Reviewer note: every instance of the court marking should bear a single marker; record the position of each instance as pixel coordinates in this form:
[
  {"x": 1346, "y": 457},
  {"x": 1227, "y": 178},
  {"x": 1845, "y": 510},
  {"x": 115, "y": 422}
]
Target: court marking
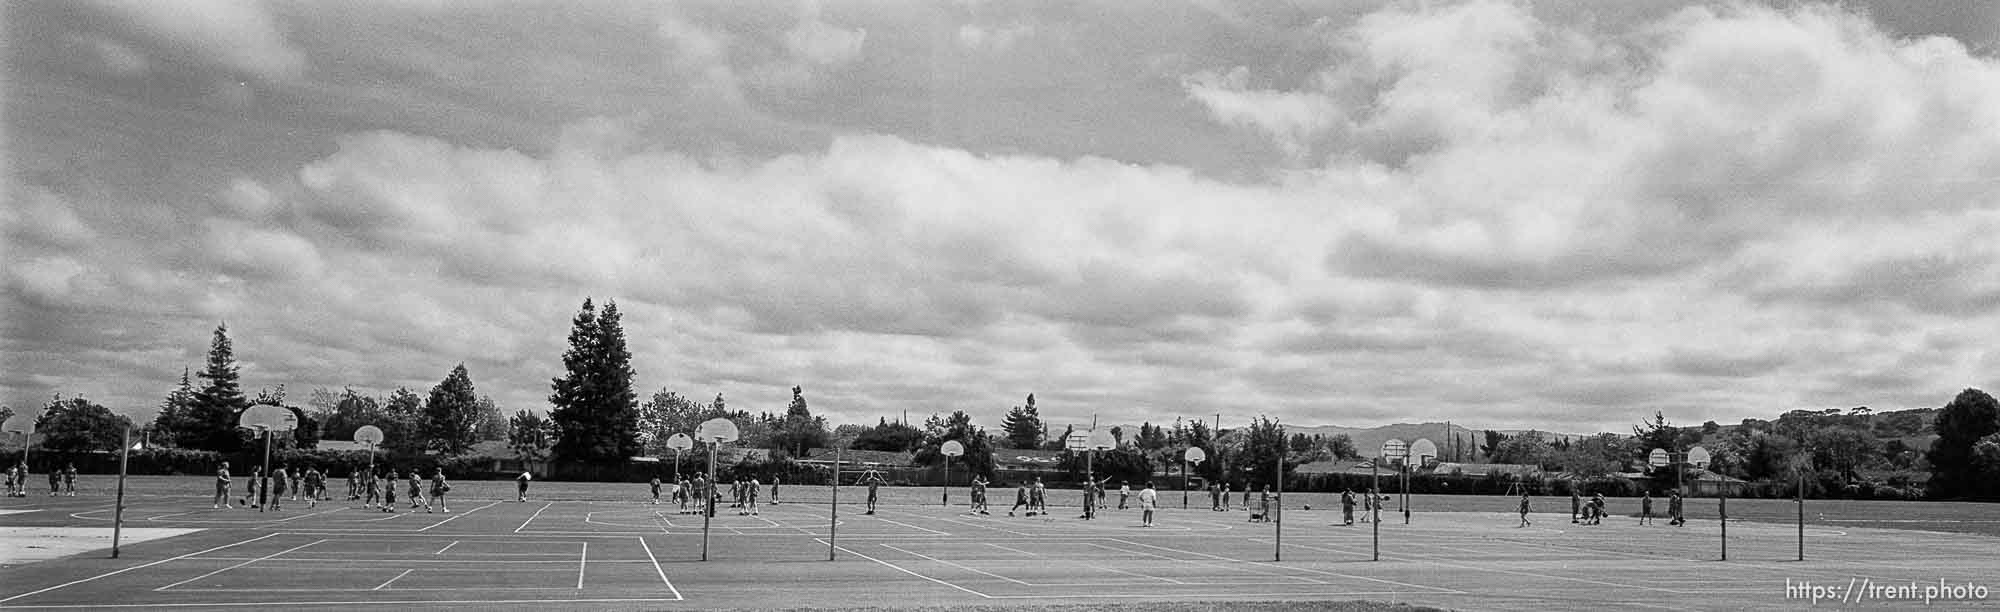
[
  {"x": 900, "y": 569},
  {"x": 531, "y": 518},
  {"x": 447, "y": 547},
  {"x": 657, "y": 568},
  {"x": 135, "y": 567},
  {"x": 457, "y": 516},
  {"x": 1435, "y": 561},
  {"x": 1306, "y": 569},
  {"x": 263, "y": 558},
  {"x": 1089, "y": 564},
  {"x": 292, "y": 603},
  {"x": 385, "y": 584}
]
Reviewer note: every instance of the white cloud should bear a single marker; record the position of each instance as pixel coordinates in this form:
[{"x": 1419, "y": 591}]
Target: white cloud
[
  {"x": 824, "y": 44},
  {"x": 239, "y": 35},
  {"x": 996, "y": 39},
  {"x": 1292, "y": 119}
]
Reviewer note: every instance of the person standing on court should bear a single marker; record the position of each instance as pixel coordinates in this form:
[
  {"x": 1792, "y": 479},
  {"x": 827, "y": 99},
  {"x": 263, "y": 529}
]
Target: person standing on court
[
  {"x": 69, "y": 480},
  {"x": 1646, "y": 508},
  {"x": 1524, "y": 510},
  {"x": 250, "y": 489},
  {"x": 1674, "y": 509},
  {"x": 389, "y": 493},
  {"x": 1575, "y": 506},
  {"x": 1124, "y": 491},
  {"x": 978, "y": 494},
  {"x": 873, "y": 480},
  {"x": 774, "y": 488},
  {"x": 750, "y": 491},
  {"x": 1347, "y": 506},
  {"x": 1038, "y": 498},
  {"x": 521, "y": 485},
  {"x": 417, "y": 491},
  {"x": 278, "y": 490},
  {"x": 1021, "y": 498},
  {"x": 438, "y": 488},
  {"x": 655, "y": 486},
  {"x": 1214, "y": 497},
  {"x": 55, "y": 481},
  {"x": 221, "y": 487},
  {"x": 1148, "y": 498}
]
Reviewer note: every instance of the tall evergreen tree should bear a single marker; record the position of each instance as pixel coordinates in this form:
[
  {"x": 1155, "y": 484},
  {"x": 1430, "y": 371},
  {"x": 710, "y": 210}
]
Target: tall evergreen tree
[
  {"x": 594, "y": 405},
  {"x": 799, "y": 431},
  {"x": 211, "y": 420},
  {"x": 451, "y": 416},
  {"x": 1960, "y": 425},
  {"x": 172, "y": 421},
  {"x": 401, "y": 416},
  {"x": 1023, "y": 426}
]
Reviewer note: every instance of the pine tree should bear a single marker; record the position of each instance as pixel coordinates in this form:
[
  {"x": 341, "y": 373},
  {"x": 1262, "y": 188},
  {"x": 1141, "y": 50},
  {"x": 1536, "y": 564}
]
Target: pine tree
[
  {"x": 594, "y": 405},
  {"x": 211, "y": 417},
  {"x": 172, "y": 421},
  {"x": 799, "y": 431},
  {"x": 1023, "y": 426},
  {"x": 449, "y": 426}
]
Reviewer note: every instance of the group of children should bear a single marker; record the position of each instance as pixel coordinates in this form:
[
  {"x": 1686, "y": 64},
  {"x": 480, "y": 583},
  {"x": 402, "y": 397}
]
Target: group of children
[
  {"x": 373, "y": 490},
  {"x": 61, "y": 482},
  {"x": 1592, "y": 512}
]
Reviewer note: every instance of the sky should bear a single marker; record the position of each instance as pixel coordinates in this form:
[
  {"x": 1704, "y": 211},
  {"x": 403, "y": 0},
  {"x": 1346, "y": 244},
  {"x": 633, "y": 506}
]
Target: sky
[{"x": 1555, "y": 215}]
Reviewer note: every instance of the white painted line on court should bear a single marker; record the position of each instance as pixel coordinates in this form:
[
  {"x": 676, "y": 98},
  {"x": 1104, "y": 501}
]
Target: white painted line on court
[
  {"x": 357, "y": 604},
  {"x": 1231, "y": 566},
  {"x": 456, "y": 516},
  {"x": 933, "y": 531},
  {"x": 1434, "y": 560},
  {"x": 531, "y": 518},
  {"x": 969, "y": 569},
  {"x": 447, "y": 547},
  {"x": 1089, "y": 564},
  {"x": 657, "y": 568},
  {"x": 900, "y": 569},
  {"x": 1308, "y": 569},
  {"x": 391, "y": 580},
  {"x": 582, "y": 560},
  {"x": 265, "y": 557},
  {"x": 972, "y": 524},
  {"x": 116, "y": 572},
  {"x": 287, "y": 520}
]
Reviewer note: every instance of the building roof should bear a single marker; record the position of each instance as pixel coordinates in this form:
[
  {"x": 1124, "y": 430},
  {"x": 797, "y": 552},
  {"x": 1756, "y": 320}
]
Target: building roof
[
  {"x": 858, "y": 457},
  {"x": 1020, "y": 458},
  {"x": 1483, "y": 469},
  {"x": 1343, "y": 466}
]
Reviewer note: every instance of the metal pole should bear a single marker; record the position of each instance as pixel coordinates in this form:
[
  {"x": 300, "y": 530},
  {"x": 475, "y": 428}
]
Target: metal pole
[
  {"x": 833, "y": 515},
  {"x": 708, "y": 499},
  {"x": 1375, "y": 506},
  {"x": 947, "y": 482},
  {"x": 1091, "y": 483},
  {"x": 1184, "y": 481},
  {"x": 1278, "y": 518},
  {"x": 118, "y": 510},
  {"x": 264, "y": 480},
  {"x": 1722, "y": 508},
  {"x": 1802, "y": 515},
  {"x": 1406, "y": 492}
]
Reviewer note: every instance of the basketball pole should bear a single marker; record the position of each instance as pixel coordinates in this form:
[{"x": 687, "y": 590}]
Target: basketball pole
[
  {"x": 1802, "y": 515},
  {"x": 1278, "y": 518},
  {"x": 1722, "y": 509},
  {"x": 118, "y": 510},
  {"x": 947, "y": 482},
  {"x": 1184, "y": 482},
  {"x": 833, "y": 514},
  {"x": 1375, "y": 505},
  {"x": 708, "y": 500},
  {"x": 264, "y": 479}
]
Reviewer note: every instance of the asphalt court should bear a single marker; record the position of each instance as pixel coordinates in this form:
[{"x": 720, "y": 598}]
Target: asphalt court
[{"x": 610, "y": 555}]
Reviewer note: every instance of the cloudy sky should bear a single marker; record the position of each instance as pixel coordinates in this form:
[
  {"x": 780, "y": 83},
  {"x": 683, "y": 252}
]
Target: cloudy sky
[{"x": 1564, "y": 215}]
